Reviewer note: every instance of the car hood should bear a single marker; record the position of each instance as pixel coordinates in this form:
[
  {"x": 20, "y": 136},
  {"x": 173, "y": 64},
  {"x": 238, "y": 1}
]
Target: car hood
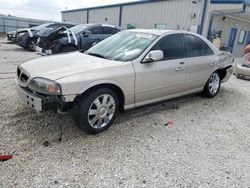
[{"x": 60, "y": 66}]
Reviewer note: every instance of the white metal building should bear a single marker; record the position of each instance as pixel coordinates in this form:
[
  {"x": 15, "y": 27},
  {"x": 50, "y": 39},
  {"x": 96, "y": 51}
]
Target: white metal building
[
  {"x": 206, "y": 17},
  {"x": 12, "y": 23}
]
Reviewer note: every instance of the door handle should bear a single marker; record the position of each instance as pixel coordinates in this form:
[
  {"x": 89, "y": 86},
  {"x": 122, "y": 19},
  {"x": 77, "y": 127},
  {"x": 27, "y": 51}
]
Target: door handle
[
  {"x": 179, "y": 68},
  {"x": 212, "y": 64}
]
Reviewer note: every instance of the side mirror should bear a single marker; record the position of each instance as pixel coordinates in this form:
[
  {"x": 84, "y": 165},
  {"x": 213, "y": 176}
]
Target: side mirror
[
  {"x": 87, "y": 33},
  {"x": 154, "y": 55}
]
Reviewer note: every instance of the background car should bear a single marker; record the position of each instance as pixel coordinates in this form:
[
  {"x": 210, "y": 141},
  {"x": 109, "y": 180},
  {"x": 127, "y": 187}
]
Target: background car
[
  {"x": 11, "y": 36},
  {"x": 27, "y": 38},
  {"x": 127, "y": 70},
  {"x": 79, "y": 37},
  {"x": 243, "y": 70}
]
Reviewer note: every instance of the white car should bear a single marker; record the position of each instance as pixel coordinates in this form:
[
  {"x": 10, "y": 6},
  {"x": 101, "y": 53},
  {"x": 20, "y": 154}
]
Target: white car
[{"x": 127, "y": 70}]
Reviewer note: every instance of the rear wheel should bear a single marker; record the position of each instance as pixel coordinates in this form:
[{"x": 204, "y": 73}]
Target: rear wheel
[
  {"x": 31, "y": 44},
  {"x": 95, "y": 112},
  {"x": 212, "y": 86},
  {"x": 68, "y": 49}
]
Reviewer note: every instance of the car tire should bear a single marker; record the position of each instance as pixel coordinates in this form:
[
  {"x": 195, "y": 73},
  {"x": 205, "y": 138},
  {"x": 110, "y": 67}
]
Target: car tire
[
  {"x": 212, "y": 86},
  {"x": 31, "y": 44},
  {"x": 68, "y": 49},
  {"x": 96, "y": 111}
]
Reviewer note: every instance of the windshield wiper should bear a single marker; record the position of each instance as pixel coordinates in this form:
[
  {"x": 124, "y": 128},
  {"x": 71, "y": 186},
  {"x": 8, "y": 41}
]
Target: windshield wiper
[{"x": 97, "y": 55}]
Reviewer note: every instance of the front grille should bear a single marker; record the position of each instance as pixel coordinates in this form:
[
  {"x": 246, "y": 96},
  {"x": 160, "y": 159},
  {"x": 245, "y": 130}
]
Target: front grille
[{"x": 24, "y": 77}]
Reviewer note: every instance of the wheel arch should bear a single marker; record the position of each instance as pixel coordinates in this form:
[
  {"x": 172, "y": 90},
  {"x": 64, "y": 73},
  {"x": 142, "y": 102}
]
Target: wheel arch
[
  {"x": 224, "y": 74},
  {"x": 111, "y": 85}
]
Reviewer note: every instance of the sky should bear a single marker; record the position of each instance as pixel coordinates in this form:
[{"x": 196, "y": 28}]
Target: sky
[{"x": 48, "y": 9}]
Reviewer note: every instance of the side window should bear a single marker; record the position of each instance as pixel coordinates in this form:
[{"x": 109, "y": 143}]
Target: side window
[
  {"x": 110, "y": 30},
  {"x": 96, "y": 30},
  {"x": 196, "y": 47},
  {"x": 171, "y": 46}
]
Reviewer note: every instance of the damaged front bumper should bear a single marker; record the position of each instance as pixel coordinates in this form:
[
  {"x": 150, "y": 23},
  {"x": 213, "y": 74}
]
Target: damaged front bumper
[
  {"x": 43, "y": 103},
  {"x": 42, "y": 51}
]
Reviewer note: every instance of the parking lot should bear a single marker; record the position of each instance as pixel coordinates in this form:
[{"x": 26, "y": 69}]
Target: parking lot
[{"x": 208, "y": 144}]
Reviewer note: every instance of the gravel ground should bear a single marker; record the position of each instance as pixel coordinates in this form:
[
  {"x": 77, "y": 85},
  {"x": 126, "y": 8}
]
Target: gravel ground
[{"x": 208, "y": 144}]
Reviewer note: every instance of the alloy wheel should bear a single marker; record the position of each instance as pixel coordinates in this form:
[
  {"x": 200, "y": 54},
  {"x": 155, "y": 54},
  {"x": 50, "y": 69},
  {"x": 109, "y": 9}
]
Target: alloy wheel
[
  {"x": 214, "y": 83},
  {"x": 101, "y": 111}
]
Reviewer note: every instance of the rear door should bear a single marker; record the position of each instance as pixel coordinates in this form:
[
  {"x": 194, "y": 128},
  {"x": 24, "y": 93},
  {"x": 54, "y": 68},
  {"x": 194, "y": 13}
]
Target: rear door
[
  {"x": 201, "y": 61},
  {"x": 157, "y": 80}
]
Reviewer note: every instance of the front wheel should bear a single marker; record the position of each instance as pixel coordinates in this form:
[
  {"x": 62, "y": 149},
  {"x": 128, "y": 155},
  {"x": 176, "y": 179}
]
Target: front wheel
[
  {"x": 95, "y": 112},
  {"x": 31, "y": 44},
  {"x": 212, "y": 86}
]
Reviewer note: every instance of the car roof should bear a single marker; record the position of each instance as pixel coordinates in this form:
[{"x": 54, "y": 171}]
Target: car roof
[
  {"x": 99, "y": 24},
  {"x": 150, "y": 31}
]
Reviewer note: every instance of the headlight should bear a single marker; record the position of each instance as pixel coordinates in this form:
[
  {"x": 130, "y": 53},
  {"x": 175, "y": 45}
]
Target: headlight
[{"x": 45, "y": 86}]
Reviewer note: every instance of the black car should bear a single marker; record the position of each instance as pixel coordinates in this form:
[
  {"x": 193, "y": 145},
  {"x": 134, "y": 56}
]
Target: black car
[
  {"x": 79, "y": 37},
  {"x": 27, "y": 38}
]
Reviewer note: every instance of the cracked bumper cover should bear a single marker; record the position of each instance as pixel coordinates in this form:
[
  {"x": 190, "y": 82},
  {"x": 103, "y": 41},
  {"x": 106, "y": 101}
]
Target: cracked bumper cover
[{"x": 43, "y": 103}]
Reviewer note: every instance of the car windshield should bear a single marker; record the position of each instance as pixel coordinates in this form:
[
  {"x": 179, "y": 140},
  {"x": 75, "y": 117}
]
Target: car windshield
[
  {"x": 78, "y": 28},
  {"x": 123, "y": 46}
]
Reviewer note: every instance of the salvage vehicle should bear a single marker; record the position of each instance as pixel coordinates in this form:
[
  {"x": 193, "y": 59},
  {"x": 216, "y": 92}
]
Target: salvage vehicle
[
  {"x": 27, "y": 38},
  {"x": 127, "y": 70},
  {"x": 242, "y": 71},
  {"x": 11, "y": 36},
  {"x": 80, "y": 37}
]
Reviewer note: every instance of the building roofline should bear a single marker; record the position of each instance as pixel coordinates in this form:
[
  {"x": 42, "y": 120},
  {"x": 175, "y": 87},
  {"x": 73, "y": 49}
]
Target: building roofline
[
  {"x": 112, "y": 5},
  {"x": 230, "y": 2}
]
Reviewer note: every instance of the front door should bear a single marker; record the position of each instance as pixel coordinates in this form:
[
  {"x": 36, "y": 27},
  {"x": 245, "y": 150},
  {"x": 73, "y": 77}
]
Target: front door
[
  {"x": 231, "y": 39},
  {"x": 157, "y": 80}
]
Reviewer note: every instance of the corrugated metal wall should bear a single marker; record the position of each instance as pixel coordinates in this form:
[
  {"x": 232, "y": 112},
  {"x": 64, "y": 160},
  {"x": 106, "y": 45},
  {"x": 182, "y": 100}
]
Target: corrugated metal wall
[
  {"x": 105, "y": 15},
  {"x": 225, "y": 27},
  {"x": 9, "y": 23},
  {"x": 75, "y": 17},
  {"x": 176, "y": 14}
]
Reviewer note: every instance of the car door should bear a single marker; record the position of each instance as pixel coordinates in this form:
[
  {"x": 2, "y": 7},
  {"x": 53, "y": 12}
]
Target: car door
[
  {"x": 95, "y": 35},
  {"x": 201, "y": 62},
  {"x": 159, "y": 80}
]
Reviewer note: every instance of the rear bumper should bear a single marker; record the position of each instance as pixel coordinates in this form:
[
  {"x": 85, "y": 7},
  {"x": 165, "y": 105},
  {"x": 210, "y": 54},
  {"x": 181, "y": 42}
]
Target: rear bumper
[{"x": 42, "y": 103}]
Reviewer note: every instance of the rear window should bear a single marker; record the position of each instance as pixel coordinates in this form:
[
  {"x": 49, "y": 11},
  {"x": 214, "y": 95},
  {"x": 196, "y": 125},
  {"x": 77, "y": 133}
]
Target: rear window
[
  {"x": 110, "y": 30},
  {"x": 96, "y": 30}
]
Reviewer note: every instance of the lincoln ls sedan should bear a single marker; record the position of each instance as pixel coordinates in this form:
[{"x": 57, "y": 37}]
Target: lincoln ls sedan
[{"x": 127, "y": 70}]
